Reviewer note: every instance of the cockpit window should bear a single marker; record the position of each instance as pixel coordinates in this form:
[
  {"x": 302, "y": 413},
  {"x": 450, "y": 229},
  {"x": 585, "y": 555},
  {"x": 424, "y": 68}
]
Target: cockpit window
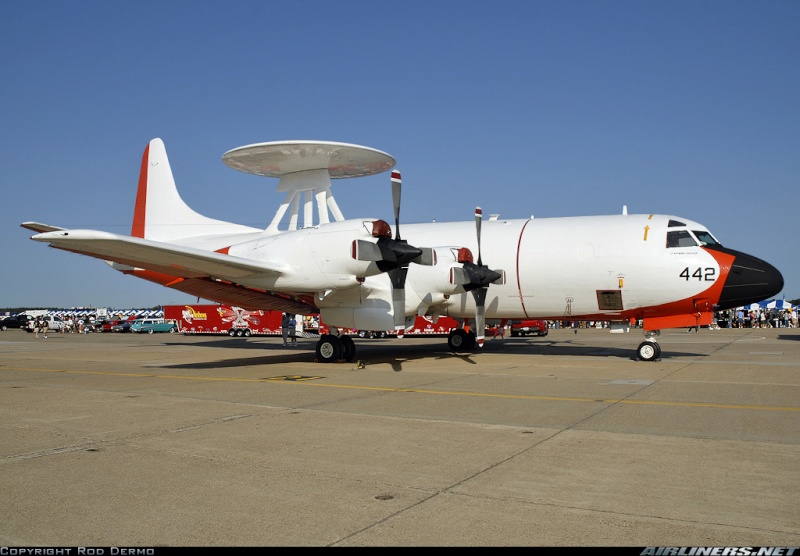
[
  {"x": 675, "y": 224},
  {"x": 680, "y": 238},
  {"x": 705, "y": 237}
]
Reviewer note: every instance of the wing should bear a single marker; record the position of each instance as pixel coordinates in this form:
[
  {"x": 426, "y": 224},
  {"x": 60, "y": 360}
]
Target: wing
[{"x": 167, "y": 258}]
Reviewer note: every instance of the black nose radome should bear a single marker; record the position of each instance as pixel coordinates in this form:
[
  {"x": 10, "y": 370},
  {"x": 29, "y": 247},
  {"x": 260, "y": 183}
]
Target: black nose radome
[{"x": 750, "y": 280}]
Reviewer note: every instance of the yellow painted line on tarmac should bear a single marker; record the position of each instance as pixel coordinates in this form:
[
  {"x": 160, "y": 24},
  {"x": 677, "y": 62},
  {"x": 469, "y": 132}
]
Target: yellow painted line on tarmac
[{"x": 293, "y": 379}]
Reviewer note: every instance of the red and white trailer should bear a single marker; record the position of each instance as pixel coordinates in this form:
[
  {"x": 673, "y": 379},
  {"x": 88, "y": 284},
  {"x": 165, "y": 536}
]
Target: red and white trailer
[
  {"x": 235, "y": 321},
  {"x": 224, "y": 319}
]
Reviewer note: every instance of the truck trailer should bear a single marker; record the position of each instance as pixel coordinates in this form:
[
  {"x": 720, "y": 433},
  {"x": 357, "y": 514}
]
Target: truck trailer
[
  {"x": 235, "y": 321},
  {"x": 223, "y": 319}
]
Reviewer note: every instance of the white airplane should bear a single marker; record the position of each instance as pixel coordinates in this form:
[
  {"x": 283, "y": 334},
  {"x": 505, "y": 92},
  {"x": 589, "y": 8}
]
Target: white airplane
[{"x": 665, "y": 271}]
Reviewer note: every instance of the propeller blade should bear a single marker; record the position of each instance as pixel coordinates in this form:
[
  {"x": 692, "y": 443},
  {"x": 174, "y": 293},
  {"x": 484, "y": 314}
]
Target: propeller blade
[
  {"x": 480, "y": 315},
  {"x": 398, "y": 278},
  {"x": 459, "y": 276},
  {"x": 397, "y": 183},
  {"x": 366, "y": 251},
  {"x": 478, "y": 219}
]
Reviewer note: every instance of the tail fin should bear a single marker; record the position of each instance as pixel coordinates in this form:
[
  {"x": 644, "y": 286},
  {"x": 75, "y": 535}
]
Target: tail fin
[{"x": 160, "y": 213}]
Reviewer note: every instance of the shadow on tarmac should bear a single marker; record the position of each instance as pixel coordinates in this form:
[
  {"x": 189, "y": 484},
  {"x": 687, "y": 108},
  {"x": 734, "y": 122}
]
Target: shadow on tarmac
[{"x": 394, "y": 352}]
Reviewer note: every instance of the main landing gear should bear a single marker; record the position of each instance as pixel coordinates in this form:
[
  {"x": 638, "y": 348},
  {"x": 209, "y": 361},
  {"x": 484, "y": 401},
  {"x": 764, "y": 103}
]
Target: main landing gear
[
  {"x": 331, "y": 348},
  {"x": 460, "y": 340},
  {"x": 649, "y": 350}
]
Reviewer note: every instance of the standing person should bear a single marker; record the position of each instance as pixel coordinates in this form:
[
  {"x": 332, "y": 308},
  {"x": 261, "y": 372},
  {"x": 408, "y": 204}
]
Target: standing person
[
  {"x": 500, "y": 330},
  {"x": 285, "y": 328},
  {"x": 36, "y": 325},
  {"x": 293, "y": 330},
  {"x": 44, "y": 327}
]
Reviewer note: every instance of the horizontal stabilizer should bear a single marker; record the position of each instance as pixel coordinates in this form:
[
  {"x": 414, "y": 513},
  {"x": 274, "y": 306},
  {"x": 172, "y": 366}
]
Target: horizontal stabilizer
[{"x": 40, "y": 228}]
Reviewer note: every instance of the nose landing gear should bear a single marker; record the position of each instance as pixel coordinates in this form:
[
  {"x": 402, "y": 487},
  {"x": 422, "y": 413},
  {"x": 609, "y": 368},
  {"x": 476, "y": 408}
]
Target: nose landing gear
[{"x": 649, "y": 350}]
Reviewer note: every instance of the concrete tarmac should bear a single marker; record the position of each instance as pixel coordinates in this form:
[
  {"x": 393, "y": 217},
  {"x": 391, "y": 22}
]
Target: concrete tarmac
[{"x": 132, "y": 440}]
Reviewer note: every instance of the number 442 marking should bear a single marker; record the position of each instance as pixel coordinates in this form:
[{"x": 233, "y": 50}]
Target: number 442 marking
[{"x": 707, "y": 274}]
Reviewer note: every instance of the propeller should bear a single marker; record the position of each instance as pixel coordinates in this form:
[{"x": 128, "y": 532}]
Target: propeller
[
  {"x": 398, "y": 274},
  {"x": 393, "y": 255},
  {"x": 476, "y": 278}
]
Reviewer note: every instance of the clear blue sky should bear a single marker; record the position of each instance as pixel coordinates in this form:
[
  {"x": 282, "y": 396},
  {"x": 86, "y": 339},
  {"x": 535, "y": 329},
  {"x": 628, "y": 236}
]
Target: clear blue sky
[{"x": 545, "y": 108}]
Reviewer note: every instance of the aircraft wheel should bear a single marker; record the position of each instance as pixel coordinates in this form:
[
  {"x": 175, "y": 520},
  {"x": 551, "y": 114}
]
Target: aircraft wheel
[
  {"x": 348, "y": 348},
  {"x": 649, "y": 351},
  {"x": 329, "y": 349},
  {"x": 460, "y": 340}
]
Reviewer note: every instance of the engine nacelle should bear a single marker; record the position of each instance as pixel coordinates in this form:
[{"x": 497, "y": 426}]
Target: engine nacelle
[
  {"x": 311, "y": 259},
  {"x": 433, "y": 285}
]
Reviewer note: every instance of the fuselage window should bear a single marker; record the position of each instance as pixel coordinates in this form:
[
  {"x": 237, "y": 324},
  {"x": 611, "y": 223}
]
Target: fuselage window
[{"x": 680, "y": 238}]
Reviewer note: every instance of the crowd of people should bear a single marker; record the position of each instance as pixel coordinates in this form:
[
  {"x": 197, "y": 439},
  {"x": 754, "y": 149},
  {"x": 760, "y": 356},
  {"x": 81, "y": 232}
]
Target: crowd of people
[
  {"x": 761, "y": 318},
  {"x": 41, "y": 325},
  {"x": 733, "y": 318}
]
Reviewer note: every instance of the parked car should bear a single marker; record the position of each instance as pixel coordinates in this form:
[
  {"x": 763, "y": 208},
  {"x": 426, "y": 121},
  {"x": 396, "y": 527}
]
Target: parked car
[
  {"x": 154, "y": 325},
  {"x": 105, "y": 325},
  {"x": 121, "y": 326},
  {"x": 97, "y": 325},
  {"x": 529, "y": 326},
  {"x": 15, "y": 321}
]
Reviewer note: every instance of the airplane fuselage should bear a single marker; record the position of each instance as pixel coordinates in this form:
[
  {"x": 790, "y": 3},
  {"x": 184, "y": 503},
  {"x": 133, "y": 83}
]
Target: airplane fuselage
[{"x": 599, "y": 267}]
